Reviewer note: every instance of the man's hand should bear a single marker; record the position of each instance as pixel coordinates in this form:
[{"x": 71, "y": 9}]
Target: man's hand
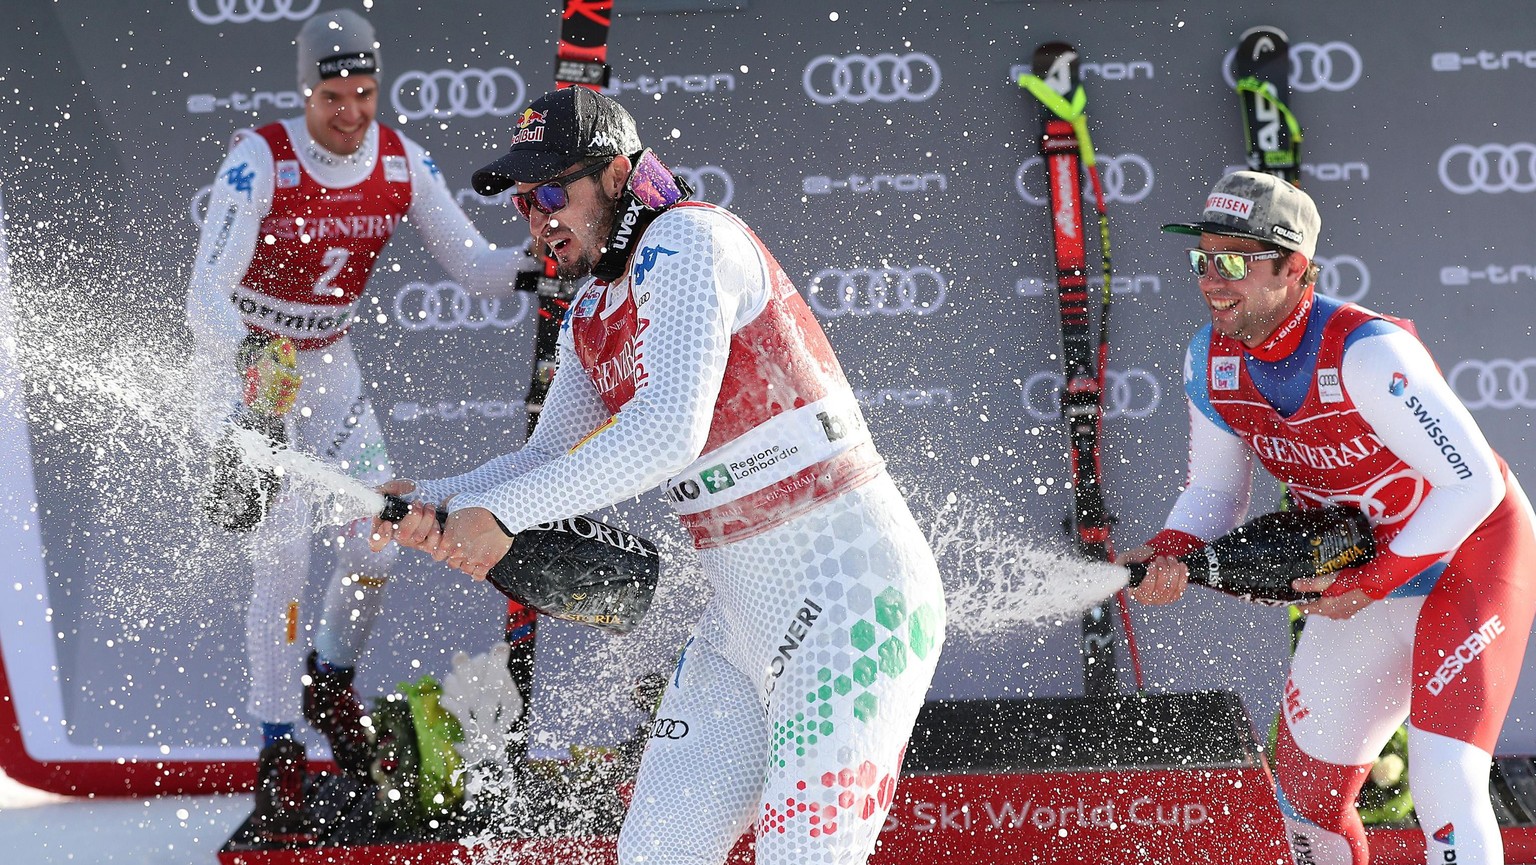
[
  {"x": 418, "y": 530},
  {"x": 1167, "y": 577},
  {"x": 472, "y": 542},
  {"x": 1338, "y": 607}
]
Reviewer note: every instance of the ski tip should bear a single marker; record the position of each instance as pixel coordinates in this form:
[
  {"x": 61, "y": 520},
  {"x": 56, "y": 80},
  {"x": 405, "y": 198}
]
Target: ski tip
[{"x": 1263, "y": 30}]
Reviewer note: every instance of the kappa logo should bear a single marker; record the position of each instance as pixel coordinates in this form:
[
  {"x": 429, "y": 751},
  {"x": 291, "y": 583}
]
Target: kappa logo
[
  {"x": 648, "y": 257},
  {"x": 602, "y": 139}
]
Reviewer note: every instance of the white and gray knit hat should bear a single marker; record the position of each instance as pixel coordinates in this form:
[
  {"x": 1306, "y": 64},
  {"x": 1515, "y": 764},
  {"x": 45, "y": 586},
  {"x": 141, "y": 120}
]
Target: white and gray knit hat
[{"x": 335, "y": 44}]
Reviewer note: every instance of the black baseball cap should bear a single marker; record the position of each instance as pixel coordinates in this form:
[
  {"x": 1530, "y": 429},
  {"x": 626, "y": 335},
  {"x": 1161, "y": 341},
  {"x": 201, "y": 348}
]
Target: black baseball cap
[{"x": 558, "y": 130}]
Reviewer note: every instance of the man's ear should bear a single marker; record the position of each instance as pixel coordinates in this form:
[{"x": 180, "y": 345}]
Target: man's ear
[
  {"x": 617, "y": 175},
  {"x": 1296, "y": 265}
]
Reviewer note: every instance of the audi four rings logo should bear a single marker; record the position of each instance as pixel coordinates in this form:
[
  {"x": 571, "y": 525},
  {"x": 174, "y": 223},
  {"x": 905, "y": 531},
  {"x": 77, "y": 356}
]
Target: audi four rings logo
[
  {"x": 1127, "y": 178},
  {"x": 859, "y": 78},
  {"x": 246, "y": 11},
  {"x": 1500, "y": 383},
  {"x": 446, "y": 93},
  {"x": 1492, "y": 168},
  {"x": 710, "y": 183},
  {"x": 447, "y": 306},
  {"x": 668, "y": 728},
  {"x": 1332, "y": 66},
  {"x": 1131, "y": 393},
  {"x": 887, "y": 291},
  {"x": 1344, "y": 277}
]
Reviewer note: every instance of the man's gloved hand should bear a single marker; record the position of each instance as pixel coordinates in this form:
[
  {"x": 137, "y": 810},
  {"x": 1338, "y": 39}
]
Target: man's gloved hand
[
  {"x": 481, "y": 694},
  {"x": 240, "y": 494}
]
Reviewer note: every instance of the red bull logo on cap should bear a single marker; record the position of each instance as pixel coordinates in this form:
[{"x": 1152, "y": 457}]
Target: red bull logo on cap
[{"x": 530, "y": 127}]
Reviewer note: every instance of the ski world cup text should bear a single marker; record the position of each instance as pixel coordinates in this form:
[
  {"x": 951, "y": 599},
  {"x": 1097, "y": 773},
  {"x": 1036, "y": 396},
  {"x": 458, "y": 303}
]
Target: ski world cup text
[{"x": 1053, "y": 817}]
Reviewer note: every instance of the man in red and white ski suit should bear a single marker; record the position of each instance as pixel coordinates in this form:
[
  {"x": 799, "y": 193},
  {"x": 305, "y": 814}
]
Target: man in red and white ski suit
[
  {"x": 1345, "y": 406},
  {"x": 300, "y": 211},
  {"x": 699, "y": 366}
]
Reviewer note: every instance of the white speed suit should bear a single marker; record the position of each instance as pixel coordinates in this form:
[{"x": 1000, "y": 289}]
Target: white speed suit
[
  {"x": 279, "y": 198},
  {"x": 790, "y": 708}
]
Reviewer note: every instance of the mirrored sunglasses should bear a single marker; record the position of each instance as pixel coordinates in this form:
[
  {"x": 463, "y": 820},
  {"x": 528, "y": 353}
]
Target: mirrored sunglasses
[
  {"x": 1229, "y": 265},
  {"x": 550, "y": 196}
]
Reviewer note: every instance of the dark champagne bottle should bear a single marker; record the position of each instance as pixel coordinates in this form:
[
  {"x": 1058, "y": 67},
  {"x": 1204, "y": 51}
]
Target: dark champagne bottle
[
  {"x": 579, "y": 570},
  {"x": 1258, "y": 560}
]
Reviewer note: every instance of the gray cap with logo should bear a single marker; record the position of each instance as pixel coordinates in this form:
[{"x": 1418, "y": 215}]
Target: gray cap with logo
[
  {"x": 1258, "y": 206},
  {"x": 335, "y": 44}
]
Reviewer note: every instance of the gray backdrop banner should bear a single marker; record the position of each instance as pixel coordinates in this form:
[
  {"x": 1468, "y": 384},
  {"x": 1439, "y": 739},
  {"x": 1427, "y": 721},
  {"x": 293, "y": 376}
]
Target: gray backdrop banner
[{"x": 886, "y": 157}]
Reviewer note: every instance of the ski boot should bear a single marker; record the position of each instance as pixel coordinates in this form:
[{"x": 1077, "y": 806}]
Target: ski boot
[
  {"x": 332, "y": 707},
  {"x": 280, "y": 819}
]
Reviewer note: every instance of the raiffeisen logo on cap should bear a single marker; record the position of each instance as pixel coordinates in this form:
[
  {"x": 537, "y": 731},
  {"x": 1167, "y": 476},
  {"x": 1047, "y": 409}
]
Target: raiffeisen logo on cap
[
  {"x": 1232, "y": 205},
  {"x": 530, "y": 127}
]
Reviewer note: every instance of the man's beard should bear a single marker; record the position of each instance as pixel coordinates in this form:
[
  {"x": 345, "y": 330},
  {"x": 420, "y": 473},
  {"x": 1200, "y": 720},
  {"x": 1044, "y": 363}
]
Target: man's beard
[{"x": 591, "y": 252}]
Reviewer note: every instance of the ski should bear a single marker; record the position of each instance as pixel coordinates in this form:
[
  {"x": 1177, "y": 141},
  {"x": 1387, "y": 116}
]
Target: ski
[
  {"x": 1270, "y": 131},
  {"x": 1067, "y": 151},
  {"x": 581, "y": 60}
]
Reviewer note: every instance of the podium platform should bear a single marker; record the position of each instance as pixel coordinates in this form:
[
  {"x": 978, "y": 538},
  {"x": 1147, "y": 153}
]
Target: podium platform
[{"x": 1147, "y": 779}]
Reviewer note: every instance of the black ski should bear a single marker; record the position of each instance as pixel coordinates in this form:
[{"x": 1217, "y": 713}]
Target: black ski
[
  {"x": 1272, "y": 134},
  {"x": 581, "y": 60},
  {"x": 1067, "y": 152}
]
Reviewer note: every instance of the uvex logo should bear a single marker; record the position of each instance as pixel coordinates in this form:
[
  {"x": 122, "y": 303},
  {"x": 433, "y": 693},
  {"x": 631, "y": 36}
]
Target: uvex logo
[{"x": 627, "y": 225}]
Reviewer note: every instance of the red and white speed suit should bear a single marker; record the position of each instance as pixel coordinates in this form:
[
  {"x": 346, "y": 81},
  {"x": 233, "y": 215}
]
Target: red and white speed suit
[
  {"x": 1349, "y": 408},
  {"x": 291, "y": 237},
  {"x": 703, "y": 369}
]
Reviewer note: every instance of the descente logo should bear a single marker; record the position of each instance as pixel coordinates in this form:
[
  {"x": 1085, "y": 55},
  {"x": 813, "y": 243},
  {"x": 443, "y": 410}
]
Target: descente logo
[{"x": 1473, "y": 646}]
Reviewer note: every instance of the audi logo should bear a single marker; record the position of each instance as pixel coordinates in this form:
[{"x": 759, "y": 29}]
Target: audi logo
[
  {"x": 1343, "y": 277},
  {"x": 445, "y": 93},
  {"x": 1332, "y": 66},
  {"x": 1500, "y": 383},
  {"x": 887, "y": 290},
  {"x": 1131, "y": 393},
  {"x": 1127, "y": 178},
  {"x": 668, "y": 728},
  {"x": 859, "y": 78},
  {"x": 1372, "y": 502},
  {"x": 447, "y": 306},
  {"x": 710, "y": 183},
  {"x": 1493, "y": 168},
  {"x": 246, "y": 11}
]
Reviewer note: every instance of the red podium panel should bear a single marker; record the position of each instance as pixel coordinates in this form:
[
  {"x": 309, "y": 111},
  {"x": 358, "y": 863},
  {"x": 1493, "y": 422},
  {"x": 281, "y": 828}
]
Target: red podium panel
[{"x": 1223, "y": 815}]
